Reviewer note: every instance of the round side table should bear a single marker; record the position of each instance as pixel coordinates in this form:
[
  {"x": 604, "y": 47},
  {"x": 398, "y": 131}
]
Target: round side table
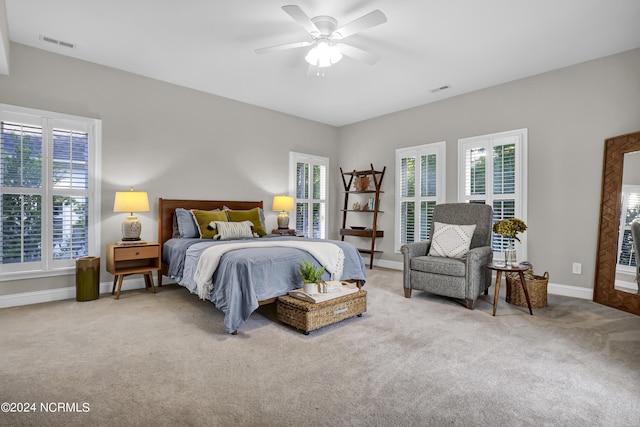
[{"x": 509, "y": 269}]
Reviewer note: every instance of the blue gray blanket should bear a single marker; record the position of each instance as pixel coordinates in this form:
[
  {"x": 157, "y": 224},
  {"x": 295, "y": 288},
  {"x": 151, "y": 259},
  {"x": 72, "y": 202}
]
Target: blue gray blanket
[{"x": 249, "y": 275}]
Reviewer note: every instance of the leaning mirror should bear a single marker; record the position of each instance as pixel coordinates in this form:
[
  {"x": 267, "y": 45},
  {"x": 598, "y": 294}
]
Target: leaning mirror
[{"x": 615, "y": 283}]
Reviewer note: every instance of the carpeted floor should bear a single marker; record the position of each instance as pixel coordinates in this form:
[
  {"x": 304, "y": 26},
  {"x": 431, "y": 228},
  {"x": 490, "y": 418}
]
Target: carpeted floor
[{"x": 164, "y": 359}]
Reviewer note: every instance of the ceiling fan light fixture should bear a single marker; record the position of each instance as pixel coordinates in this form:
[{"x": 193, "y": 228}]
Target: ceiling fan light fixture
[{"x": 324, "y": 54}]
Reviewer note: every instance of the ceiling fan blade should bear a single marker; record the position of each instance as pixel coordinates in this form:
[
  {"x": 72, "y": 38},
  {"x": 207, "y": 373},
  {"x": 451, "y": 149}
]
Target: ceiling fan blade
[
  {"x": 281, "y": 47},
  {"x": 357, "y": 53},
  {"x": 301, "y": 18},
  {"x": 369, "y": 20}
]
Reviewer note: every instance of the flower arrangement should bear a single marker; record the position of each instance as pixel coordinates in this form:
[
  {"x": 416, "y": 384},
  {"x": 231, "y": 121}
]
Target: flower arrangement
[{"x": 510, "y": 227}]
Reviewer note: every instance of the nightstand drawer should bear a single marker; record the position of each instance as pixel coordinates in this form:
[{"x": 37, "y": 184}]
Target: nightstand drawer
[{"x": 139, "y": 252}]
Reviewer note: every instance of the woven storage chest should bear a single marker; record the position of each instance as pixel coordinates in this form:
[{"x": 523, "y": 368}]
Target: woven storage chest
[
  {"x": 536, "y": 285},
  {"x": 308, "y": 316}
]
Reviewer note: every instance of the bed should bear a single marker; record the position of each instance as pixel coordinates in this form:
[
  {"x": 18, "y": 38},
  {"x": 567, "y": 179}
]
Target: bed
[{"x": 248, "y": 272}]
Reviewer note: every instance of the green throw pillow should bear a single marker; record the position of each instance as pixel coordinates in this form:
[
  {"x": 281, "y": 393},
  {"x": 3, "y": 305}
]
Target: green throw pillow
[
  {"x": 252, "y": 215},
  {"x": 203, "y": 218}
]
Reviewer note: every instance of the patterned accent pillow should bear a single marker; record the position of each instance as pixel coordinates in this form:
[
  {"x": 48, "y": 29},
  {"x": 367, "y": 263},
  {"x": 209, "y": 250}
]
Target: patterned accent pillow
[
  {"x": 204, "y": 218},
  {"x": 233, "y": 230},
  {"x": 450, "y": 240},
  {"x": 252, "y": 215}
]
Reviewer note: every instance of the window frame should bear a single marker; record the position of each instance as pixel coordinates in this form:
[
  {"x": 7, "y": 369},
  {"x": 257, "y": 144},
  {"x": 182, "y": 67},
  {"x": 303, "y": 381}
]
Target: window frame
[
  {"x": 311, "y": 160},
  {"x": 437, "y": 148},
  {"x": 48, "y": 120},
  {"x": 519, "y": 138}
]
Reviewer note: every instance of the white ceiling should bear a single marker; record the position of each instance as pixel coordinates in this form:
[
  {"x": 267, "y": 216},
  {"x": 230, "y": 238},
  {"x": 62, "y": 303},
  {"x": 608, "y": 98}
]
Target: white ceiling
[{"x": 209, "y": 45}]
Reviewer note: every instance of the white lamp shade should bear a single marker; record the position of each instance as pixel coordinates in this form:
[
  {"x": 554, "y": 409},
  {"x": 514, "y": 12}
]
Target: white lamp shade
[
  {"x": 131, "y": 201},
  {"x": 282, "y": 203}
]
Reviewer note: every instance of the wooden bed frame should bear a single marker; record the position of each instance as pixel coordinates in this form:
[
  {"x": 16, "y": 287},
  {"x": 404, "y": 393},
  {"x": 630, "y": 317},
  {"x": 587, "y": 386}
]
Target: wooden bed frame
[{"x": 167, "y": 207}]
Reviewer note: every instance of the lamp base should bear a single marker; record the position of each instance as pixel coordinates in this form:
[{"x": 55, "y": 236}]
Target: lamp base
[
  {"x": 283, "y": 221},
  {"x": 131, "y": 229}
]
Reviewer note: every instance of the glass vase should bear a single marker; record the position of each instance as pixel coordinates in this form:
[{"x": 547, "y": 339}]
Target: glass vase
[{"x": 510, "y": 256}]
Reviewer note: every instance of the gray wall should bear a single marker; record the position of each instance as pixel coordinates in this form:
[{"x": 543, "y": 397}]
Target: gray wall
[
  {"x": 179, "y": 143},
  {"x": 568, "y": 112},
  {"x": 167, "y": 140}
]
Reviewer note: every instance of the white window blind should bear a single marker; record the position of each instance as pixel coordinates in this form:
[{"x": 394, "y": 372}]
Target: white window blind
[
  {"x": 420, "y": 186},
  {"x": 308, "y": 184},
  {"x": 47, "y": 175},
  {"x": 492, "y": 170}
]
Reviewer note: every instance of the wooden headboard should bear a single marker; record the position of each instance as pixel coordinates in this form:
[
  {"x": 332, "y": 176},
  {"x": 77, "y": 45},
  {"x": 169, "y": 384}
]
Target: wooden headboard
[{"x": 167, "y": 207}]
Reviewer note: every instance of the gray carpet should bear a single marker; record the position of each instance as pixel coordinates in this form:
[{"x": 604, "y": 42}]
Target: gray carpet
[{"x": 164, "y": 359}]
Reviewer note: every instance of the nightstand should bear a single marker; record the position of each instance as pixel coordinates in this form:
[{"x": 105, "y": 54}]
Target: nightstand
[
  {"x": 284, "y": 232},
  {"x": 140, "y": 258}
]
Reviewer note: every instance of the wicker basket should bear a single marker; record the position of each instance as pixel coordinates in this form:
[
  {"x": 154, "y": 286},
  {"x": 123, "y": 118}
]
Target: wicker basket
[
  {"x": 536, "y": 285},
  {"x": 308, "y": 316}
]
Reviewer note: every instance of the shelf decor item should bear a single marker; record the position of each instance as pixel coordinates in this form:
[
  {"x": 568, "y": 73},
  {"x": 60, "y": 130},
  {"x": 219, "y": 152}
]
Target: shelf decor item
[
  {"x": 131, "y": 201},
  {"x": 509, "y": 229},
  {"x": 361, "y": 183}
]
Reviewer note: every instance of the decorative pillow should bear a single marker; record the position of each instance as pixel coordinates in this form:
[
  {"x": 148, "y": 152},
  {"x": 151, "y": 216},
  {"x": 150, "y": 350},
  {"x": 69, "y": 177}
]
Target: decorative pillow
[
  {"x": 186, "y": 225},
  {"x": 252, "y": 215},
  {"x": 450, "y": 240},
  {"x": 227, "y": 208},
  {"x": 204, "y": 218},
  {"x": 175, "y": 232},
  {"x": 233, "y": 230}
]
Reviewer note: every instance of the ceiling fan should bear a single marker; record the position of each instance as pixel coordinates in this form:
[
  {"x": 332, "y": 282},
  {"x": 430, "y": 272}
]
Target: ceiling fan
[{"x": 326, "y": 36}]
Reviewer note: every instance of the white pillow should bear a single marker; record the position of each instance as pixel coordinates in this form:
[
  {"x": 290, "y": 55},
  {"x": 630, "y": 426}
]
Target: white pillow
[
  {"x": 233, "y": 230},
  {"x": 450, "y": 240}
]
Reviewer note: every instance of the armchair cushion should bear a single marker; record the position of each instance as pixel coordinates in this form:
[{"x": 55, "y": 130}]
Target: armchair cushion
[
  {"x": 439, "y": 265},
  {"x": 451, "y": 240}
]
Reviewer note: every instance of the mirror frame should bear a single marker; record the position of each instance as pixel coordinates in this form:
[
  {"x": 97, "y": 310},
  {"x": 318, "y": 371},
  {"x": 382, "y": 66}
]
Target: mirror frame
[{"x": 604, "y": 291}]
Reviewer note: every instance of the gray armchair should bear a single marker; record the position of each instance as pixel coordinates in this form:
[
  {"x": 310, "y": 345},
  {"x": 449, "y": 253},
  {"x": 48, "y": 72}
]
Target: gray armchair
[{"x": 465, "y": 278}]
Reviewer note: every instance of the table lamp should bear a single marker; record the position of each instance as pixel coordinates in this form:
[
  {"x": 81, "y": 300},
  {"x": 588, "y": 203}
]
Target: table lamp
[
  {"x": 131, "y": 201},
  {"x": 283, "y": 204}
]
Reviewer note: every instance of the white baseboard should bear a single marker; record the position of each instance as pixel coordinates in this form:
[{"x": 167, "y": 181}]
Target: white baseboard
[
  {"x": 552, "y": 288},
  {"x": 393, "y": 265},
  {"x": 570, "y": 291},
  {"x": 48, "y": 295}
]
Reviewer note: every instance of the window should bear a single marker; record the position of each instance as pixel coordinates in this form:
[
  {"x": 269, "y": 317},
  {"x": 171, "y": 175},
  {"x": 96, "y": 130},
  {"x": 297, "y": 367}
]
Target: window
[
  {"x": 308, "y": 184},
  {"x": 492, "y": 170},
  {"x": 49, "y": 204},
  {"x": 420, "y": 173},
  {"x": 630, "y": 209}
]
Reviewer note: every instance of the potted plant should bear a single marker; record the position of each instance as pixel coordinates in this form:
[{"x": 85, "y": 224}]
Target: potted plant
[
  {"x": 311, "y": 275},
  {"x": 509, "y": 228}
]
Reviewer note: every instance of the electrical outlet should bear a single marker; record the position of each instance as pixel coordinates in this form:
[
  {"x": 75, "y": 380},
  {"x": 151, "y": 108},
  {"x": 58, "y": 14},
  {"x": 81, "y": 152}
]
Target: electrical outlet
[{"x": 577, "y": 268}]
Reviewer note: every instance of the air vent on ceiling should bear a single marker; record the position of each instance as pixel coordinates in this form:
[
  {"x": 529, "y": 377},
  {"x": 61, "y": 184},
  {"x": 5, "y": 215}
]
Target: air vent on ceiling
[
  {"x": 58, "y": 42},
  {"x": 438, "y": 89}
]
